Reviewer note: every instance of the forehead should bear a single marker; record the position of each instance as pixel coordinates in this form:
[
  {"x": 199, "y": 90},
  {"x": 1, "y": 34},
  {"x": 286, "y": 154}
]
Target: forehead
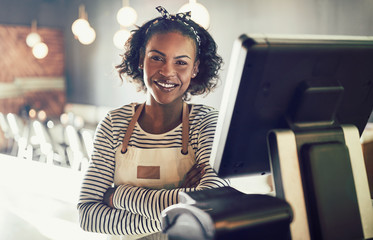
[{"x": 172, "y": 42}]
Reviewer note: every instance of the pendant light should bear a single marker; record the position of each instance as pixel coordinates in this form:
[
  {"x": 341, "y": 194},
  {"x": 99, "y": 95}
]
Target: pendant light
[
  {"x": 81, "y": 28},
  {"x": 120, "y": 38},
  {"x": 199, "y": 13},
  {"x": 126, "y": 17},
  {"x": 87, "y": 36},
  {"x": 34, "y": 41},
  {"x": 33, "y": 37},
  {"x": 40, "y": 50}
]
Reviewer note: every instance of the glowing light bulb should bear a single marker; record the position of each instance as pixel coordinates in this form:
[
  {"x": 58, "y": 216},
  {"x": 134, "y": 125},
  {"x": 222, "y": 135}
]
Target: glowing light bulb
[
  {"x": 42, "y": 115},
  {"x": 79, "y": 25},
  {"x": 126, "y": 16},
  {"x": 32, "y": 113},
  {"x": 40, "y": 50},
  {"x": 64, "y": 118},
  {"x": 199, "y": 13},
  {"x": 50, "y": 124},
  {"x": 120, "y": 38},
  {"x": 87, "y": 36},
  {"x": 32, "y": 39}
]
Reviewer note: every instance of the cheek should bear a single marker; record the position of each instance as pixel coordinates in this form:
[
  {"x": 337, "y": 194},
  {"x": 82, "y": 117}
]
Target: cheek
[
  {"x": 186, "y": 72},
  {"x": 148, "y": 71},
  {"x": 185, "y": 77},
  {"x": 146, "y": 78}
]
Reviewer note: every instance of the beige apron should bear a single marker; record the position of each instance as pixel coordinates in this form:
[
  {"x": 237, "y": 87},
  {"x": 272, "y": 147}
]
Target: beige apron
[{"x": 159, "y": 168}]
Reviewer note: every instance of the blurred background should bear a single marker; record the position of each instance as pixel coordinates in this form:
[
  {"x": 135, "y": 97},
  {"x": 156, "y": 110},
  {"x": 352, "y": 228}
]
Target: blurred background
[{"x": 56, "y": 85}]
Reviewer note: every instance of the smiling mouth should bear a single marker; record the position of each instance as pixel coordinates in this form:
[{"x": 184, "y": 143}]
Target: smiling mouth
[{"x": 166, "y": 86}]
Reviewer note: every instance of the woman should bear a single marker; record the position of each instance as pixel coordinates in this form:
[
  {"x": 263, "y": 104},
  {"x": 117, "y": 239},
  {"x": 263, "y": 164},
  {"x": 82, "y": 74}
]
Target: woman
[{"x": 152, "y": 151}]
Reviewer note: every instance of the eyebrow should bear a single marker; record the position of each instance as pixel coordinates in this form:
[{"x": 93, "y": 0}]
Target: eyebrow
[{"x": 178, "y": 57}]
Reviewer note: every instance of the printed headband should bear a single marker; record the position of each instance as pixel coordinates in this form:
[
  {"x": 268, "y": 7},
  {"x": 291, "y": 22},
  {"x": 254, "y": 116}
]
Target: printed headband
[{"x": 181, "y": 17}]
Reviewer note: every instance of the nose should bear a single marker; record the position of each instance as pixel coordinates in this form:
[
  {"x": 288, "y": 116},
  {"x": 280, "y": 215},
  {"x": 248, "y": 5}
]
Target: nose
[{"x": 167, "y": 70}]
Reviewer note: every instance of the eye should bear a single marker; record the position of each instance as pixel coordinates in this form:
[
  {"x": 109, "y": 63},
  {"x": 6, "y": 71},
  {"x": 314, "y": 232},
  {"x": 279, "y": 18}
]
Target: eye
[
  {"x": 156, "y": 58},
  {"x": 180, "y": 62}
]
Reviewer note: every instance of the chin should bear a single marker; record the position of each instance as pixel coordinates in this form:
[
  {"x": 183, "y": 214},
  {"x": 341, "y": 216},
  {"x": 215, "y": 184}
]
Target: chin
[{"x": 165, "y": 101}]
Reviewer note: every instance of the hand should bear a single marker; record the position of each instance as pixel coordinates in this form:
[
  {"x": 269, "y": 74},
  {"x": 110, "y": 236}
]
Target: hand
[
  {"x": 108, "y": 196},
  {"x": 193, "y": 176}
]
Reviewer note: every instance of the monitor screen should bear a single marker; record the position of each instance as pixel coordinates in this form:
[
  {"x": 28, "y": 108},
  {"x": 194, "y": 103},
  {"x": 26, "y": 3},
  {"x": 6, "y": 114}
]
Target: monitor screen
[{"x": 265, "y": 74}]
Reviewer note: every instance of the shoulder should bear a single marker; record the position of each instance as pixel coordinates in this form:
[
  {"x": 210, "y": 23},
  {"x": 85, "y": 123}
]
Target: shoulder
[
  {"x": 118, "y": 116},
  {"x": 203, "y": 114},
  {"x": 123, "y": 111},
  {"x": 114, "y": 124},
  {"x": 202, "y": 111}
]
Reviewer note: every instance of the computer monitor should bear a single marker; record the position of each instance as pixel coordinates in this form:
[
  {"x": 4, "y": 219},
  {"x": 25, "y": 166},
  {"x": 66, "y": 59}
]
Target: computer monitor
[{"x": 266, "y": 73}]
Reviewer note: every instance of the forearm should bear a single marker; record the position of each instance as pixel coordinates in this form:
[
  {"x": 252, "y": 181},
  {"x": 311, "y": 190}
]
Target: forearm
[
  {"x": 150, "y": 203},
  {"x": 98, "y": 217},
  {"x": 145, "y": 202}
]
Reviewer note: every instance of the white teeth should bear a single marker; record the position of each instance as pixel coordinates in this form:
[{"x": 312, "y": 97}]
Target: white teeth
[{"x": 166, "y": 85}]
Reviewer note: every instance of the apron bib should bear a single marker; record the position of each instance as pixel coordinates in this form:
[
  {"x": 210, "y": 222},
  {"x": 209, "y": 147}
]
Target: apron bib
[{"x": 158, "y": 168}]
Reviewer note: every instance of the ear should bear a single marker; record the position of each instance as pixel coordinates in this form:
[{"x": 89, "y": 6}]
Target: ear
[
  {"x": 141, "y": 61},
  {"x": 195, "y": 69}
]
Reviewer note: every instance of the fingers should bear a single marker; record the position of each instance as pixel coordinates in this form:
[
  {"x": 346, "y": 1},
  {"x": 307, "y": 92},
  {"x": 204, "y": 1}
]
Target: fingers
[
  {"x": 193, "y": 181},
  {"x": 108, "y": 197},
  {"x": 194, "y": 175},
  {"x": 194, "y": 172},
  {"x": 196, "y": 168}
]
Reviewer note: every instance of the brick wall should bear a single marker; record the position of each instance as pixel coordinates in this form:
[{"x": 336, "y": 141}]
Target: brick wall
[{"x": 17, "y": 61}]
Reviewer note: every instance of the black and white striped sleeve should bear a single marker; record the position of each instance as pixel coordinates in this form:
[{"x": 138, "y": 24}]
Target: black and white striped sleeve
[{"x": 94, "y": 215}]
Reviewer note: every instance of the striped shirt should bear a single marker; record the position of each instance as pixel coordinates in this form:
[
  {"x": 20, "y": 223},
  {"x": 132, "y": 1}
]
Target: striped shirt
[{"x": 138, "y": 210}]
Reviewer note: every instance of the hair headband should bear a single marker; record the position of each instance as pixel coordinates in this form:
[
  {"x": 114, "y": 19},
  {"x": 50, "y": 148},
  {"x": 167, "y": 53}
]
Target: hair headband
[{"x": 181, "y": 17}]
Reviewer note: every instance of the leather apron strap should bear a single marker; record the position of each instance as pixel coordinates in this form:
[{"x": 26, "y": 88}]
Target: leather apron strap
[
  {"x": 185, "y": 128},
  {"x": 130, "y": 128}
]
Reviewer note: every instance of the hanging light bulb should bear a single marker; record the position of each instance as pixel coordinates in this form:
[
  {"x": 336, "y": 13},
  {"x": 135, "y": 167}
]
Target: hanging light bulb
[
  {"x": 40, "y": 50},
  {"x": 33, "y": 37},
  {"x": 33, "y": 40},
  {"x": 79, "y": 25},
  {"x": 120, "y": 38},
  {"x": 126, "y": 16},
  {"x": 82, "y": 29},
  {"x": 87, "y": 36},
  {"x": 199, "y": 13}
]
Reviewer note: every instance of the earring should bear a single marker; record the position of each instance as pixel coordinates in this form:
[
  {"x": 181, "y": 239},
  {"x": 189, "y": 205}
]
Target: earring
[{"x": 140, "y": 66}]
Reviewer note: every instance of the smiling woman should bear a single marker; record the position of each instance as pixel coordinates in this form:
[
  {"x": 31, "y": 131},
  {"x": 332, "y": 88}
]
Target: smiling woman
[
  {"x": 205, "y": 52},
  {"x": 152, "y": 151}
]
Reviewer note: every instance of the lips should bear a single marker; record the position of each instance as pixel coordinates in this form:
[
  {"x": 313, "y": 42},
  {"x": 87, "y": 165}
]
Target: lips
[{"x": 166, "y": 86}]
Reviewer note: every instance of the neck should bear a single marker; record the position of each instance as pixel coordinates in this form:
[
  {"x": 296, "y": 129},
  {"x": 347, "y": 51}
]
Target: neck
[{"x": 160, "y": 118}]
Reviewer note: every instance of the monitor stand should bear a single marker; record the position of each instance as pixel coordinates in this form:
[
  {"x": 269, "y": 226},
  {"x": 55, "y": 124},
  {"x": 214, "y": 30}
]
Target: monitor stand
[{"x": 321, "y": 174}]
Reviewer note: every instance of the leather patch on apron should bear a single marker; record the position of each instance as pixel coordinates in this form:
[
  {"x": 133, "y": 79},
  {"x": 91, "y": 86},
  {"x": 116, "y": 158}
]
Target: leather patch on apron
[{"x": 148, "y": 172}]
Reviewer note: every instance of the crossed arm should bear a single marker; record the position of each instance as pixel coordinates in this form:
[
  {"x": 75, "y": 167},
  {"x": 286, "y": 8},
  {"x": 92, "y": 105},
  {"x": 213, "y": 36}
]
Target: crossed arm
[{"x": 133, "y": 210}]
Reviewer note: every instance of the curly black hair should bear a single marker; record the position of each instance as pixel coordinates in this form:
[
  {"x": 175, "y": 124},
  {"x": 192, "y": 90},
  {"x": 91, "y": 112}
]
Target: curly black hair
[{"x": 210, "y": 62}]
